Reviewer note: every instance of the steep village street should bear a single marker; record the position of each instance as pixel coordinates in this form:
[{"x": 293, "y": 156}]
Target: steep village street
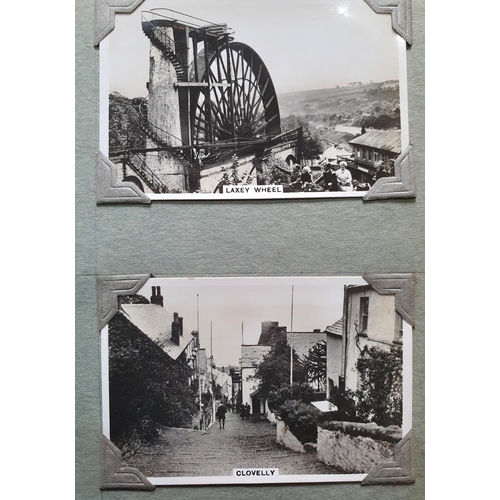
[{"x": 242, "y": 444}]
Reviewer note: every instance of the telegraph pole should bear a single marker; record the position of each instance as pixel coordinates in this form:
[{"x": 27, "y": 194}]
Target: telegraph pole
[{"x": 291, "y": 342}]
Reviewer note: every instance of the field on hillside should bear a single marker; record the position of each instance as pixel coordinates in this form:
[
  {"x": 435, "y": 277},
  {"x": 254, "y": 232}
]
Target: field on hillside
[{"x": 373, "y": 105}]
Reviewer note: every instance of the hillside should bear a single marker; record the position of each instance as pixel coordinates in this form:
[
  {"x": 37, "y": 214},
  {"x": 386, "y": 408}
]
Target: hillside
[{"x": 373, "y": 105}]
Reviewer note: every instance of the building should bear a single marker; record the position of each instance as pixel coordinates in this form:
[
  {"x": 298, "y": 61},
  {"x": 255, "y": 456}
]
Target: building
[
  {"x": 370, "y": 319},
  {"x": 333, "y": 355},
  {"x": 251, "y": 356},
  {"x": 372, "y": 148},
  {"x": 153, "y": 370},
  {"x": 195, "y": 116}
]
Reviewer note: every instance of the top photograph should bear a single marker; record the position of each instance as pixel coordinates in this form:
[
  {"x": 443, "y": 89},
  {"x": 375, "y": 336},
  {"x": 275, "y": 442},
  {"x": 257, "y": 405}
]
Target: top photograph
[{"x": 219, "y": 99}]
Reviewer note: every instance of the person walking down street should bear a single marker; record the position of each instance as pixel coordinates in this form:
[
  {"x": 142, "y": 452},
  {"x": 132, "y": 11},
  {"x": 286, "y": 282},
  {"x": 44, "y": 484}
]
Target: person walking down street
[
  {"x": 242, "y": 411},
  {"x": 247, "y": 411},
  {"x": 221, "y": 416},
  {"x": 344, "y": 177}
]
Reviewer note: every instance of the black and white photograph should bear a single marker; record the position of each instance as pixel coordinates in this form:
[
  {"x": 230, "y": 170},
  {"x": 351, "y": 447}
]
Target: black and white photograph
[
  {"x": 253, "y": 99},
  {"x": 256, "y": 380}
]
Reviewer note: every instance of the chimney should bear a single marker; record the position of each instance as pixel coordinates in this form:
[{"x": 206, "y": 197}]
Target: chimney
[
  {"x": 196, "y": 336},
  {"x": 175, "y": 329},
  {"x": 181, "y": 326},
  {"x": 157, "y": 297}
]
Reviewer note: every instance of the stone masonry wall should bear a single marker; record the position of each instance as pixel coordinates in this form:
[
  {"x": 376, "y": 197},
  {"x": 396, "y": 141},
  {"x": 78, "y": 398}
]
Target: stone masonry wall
[
  {"x": 356, "y": 448},
  {"x": 286, "y": 438}
]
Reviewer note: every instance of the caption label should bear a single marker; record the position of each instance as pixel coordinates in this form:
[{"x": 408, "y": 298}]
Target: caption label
[
  {"x": 255, "y": 472},
  {"x": 252, "y": 189}
]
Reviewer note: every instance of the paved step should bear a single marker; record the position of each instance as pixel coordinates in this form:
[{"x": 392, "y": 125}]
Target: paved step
[{"x": 242, "y": 444}]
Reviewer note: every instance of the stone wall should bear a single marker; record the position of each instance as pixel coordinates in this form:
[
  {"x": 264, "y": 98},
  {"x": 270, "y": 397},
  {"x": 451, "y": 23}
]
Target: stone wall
[
  {"x": 286, "y": 438},
  {"x": 356, "y": 448}
]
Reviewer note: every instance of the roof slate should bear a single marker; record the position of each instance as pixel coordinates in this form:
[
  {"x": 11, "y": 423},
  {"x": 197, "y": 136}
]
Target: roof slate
[
  {"x": 388, "y": 140},
  {"x": 252, "y": 355},
  {"x": 336, "y": 328},
  {"x": 156, "y": 322},
  {"x": 303, "y": 341}
]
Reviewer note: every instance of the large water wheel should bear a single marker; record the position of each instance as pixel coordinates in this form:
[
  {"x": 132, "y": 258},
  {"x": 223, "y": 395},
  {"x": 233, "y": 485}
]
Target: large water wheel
[{"x": 239, "y": 102}]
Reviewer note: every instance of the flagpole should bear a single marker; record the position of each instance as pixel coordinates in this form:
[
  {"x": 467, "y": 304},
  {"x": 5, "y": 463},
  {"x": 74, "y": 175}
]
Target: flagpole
[{"x": 291, "y": 342}]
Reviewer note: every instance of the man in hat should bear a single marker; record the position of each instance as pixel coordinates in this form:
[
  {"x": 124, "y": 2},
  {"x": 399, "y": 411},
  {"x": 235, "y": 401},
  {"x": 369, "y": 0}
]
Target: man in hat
[
  {"x": 344, "y": 177},
  {"x": 329, "y": 177}
]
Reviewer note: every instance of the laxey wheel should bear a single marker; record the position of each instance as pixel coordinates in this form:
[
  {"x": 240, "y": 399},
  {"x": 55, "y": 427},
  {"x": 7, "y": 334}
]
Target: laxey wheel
[{"x": 240, "y": 101}]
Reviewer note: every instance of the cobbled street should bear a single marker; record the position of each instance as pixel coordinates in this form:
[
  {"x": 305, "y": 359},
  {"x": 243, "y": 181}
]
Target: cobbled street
[{"x": 242, "y": 444}]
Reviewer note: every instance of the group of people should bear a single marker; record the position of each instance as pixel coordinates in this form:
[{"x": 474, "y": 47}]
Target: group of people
[
  {"x": 220, "y": 414},
  {"x": 245, "y": 411},
  {"x": 339, "y": 179},
  {"x": 332, "y": 180}
]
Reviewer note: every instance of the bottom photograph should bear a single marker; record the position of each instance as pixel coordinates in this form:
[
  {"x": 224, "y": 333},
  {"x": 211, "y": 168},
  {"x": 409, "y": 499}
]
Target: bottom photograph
[{"x": 256, "y": 380}]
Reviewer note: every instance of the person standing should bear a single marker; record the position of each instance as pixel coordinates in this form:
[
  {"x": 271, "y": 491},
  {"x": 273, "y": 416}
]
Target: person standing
[
  {"x": 221, "y": 416},
  {"x": 344, "y": 177}
]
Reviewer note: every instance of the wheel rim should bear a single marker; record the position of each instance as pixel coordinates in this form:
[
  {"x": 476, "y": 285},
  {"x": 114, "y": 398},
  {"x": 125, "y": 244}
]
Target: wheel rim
[{"x": 245, "y": 108}]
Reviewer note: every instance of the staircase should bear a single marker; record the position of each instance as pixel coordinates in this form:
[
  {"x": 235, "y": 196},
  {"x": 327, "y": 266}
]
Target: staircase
[
  {"x": 138, "y": 165},
  {"x": 159, "y": 137},
  {"x": 166, "y": 46}
]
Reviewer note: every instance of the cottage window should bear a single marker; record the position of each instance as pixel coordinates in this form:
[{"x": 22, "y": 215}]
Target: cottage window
[{"x": 363, "y": 314}]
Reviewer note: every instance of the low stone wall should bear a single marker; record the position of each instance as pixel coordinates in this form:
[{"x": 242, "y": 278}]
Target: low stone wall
[
  {"x": 355, "y": 448},
  {"x": 286, "y": 438}
]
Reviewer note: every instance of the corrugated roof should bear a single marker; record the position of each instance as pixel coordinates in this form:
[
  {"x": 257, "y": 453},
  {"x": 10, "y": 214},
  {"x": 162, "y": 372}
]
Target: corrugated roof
[
  {"x": 336, "y": 328},
  {"x": 303, "y": 341},
  {"x": 156, "y": 322},
  {"x": 252, "y": 355},
  {"x": 388, "y": 140}
]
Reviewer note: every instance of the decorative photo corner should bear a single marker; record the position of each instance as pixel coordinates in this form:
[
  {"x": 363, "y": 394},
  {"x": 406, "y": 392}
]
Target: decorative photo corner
[
  {"x": 201, "y": 102},
  {"x": 256, "y": 380}
]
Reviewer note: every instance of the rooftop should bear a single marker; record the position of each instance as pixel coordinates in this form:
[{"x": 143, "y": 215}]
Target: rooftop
[
  {"x": 388, "y": 140},
  {"x": 252, "y": 355},
  {"x": 303, "y": 341},
  {"x": 336, "y": 328},
  {"x": 156, "y": 323}
]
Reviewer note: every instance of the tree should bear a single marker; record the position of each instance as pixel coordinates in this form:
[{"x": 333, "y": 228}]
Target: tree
[
  {"x": 380, "y": 390},
  {"x": 274, "y": 370},
  {"x": 133, "y": 299},
  {"x": 297, "y": 391},
  {"x": 314, "y": 363},
  {"x": 312, "y": 146}
]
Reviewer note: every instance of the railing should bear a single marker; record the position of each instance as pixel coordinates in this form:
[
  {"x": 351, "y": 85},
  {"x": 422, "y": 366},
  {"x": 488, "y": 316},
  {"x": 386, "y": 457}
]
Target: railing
[
  {"x": 138, "y": 165},
  {"x": 166, "y": 45},
  {"x": 208, "y": 25}
]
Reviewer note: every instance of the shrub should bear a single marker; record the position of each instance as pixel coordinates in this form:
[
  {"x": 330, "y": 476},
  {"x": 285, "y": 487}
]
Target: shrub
[
  {"x": 380, "y": 390},
  {"x": 346, "y": 405},
  {"x": 301, "y": 419},
  {"x": 277, "y": 397}
]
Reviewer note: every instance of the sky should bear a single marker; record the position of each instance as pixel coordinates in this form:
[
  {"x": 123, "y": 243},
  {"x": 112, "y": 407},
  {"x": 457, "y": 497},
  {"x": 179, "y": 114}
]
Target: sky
[
  {"x": 226, "y": 303},
  {"x": 305, "y": 44}
]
